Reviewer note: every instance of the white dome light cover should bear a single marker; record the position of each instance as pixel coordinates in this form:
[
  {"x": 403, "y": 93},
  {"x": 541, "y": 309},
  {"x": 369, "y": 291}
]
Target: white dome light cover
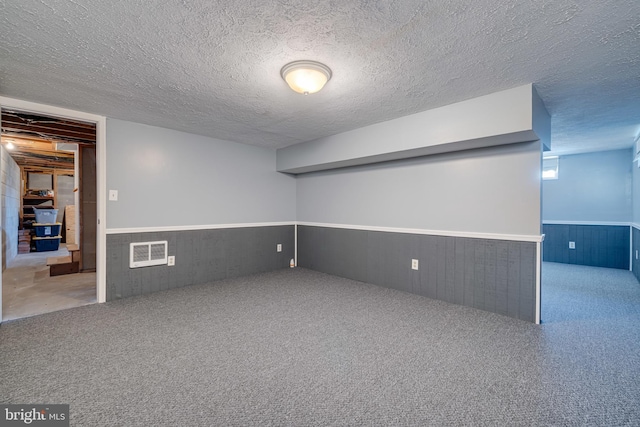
[{"x": 306, "y": 76}]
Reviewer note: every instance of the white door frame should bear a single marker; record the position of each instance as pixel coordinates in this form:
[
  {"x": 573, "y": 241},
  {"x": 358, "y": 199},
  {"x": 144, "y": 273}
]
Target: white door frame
[{"x": 101, "y": 178}]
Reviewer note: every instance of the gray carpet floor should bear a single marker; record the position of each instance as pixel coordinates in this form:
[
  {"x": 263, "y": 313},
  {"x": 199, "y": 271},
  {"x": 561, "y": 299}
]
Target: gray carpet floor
[{"x": 301, "y": 348}]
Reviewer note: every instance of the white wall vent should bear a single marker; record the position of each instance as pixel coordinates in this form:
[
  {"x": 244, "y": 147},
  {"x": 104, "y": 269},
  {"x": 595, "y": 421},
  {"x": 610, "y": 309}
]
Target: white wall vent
[{"x": 147, "y": 253}]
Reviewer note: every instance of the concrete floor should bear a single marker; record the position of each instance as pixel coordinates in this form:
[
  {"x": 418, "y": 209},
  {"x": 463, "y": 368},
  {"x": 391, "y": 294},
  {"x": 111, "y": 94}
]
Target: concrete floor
[{"x": 28, "y": 290}]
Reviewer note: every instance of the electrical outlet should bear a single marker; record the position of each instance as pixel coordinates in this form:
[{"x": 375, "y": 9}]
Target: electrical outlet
[
  {"x": 171, "y": 260},
  {"x": 279, "y": 247},
  {"x": 414, "y": 264},
  {"x": 572, "y": 245},
  {"x": 113, "y": 195}
]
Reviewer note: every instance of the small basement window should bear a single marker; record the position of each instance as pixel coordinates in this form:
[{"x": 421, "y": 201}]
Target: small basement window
[{"x": 550, "y": 168}]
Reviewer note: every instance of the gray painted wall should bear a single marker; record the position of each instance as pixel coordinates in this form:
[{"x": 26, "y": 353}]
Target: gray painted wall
[
  {"x": 595, "y": 245},
  {"x": 635, "y": 172},
  {"x": 492, "y": 275},
  {"x": 491, "y": 190},
  {"x": 635, "y": 261},
  {"x": 10, "y": 194},
  {"x": 202, "y": 256},
  {"x": 170, "y": 178},
  {"x": 592, "y": 187},
  {"x": 635, "y": 248}
]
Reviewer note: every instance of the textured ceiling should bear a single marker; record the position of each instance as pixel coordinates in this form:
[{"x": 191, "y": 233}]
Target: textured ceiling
[{"x": 212, "y": 67}]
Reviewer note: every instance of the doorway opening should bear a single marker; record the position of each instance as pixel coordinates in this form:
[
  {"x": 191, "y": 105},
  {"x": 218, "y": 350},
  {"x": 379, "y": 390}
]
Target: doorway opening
[{"x": 48, "y": 213}]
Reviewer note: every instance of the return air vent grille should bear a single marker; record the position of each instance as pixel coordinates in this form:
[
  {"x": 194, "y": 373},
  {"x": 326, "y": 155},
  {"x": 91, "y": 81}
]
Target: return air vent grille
[{"x": 147, "y": 253}]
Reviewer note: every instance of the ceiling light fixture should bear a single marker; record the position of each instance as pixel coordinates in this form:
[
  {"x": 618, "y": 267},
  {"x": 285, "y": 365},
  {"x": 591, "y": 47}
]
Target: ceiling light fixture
[
  {"x": 306, "y": 76},
  {"x": 10, "y": 145}
]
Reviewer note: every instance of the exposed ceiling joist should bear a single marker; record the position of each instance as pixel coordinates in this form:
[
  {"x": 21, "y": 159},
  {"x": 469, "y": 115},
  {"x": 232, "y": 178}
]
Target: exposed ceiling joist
[
  {"x": 38, "y": 153},
  {"x": 28, "y": 125},
  {"x": 42, "y": 159},
  {"x": 48, "y": 171}
]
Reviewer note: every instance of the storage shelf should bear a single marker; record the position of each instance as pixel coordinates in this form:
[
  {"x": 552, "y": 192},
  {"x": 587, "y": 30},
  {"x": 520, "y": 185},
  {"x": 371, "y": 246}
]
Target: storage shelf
[
  {"x": 28, "y": 216},
  {"x": 37, "y": 197}
]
